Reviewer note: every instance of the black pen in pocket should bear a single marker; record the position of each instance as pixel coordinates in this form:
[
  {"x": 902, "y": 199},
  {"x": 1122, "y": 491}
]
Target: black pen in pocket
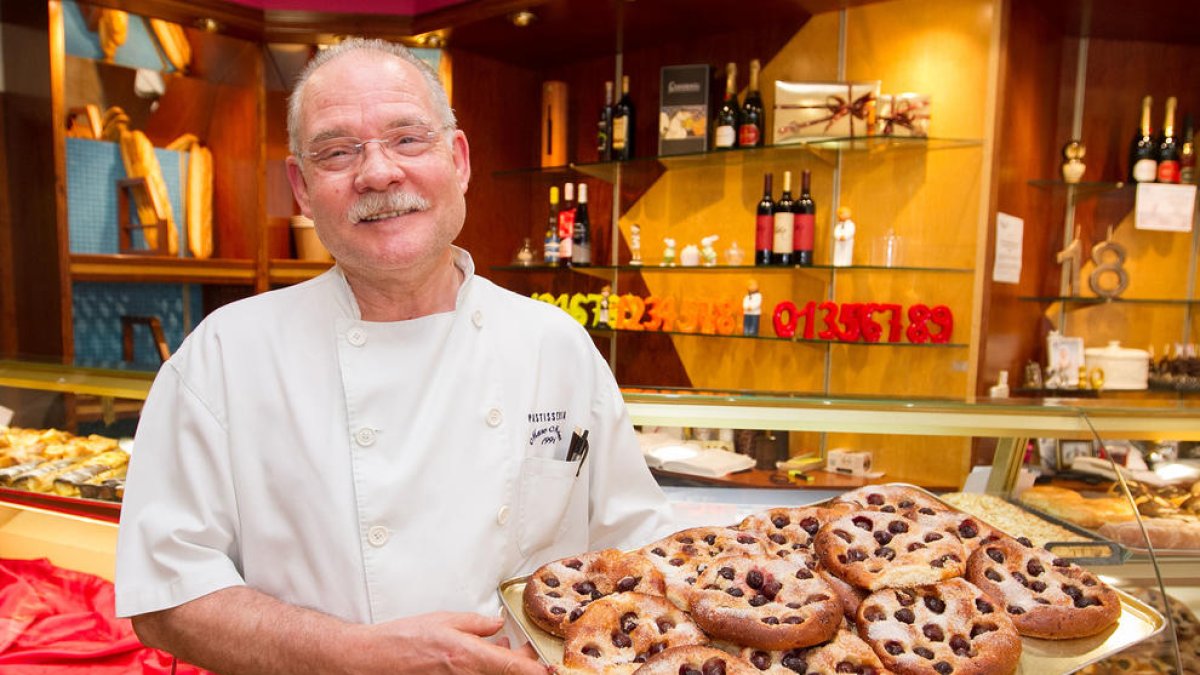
[{"x": 583, "y": 451}]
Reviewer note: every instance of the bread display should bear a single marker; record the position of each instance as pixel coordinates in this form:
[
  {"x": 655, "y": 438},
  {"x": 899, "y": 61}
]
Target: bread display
[
  {"x": 1069, "y": 505},
  {"x": 54, "y": 461},
  {"x": 887, "y": 583}
]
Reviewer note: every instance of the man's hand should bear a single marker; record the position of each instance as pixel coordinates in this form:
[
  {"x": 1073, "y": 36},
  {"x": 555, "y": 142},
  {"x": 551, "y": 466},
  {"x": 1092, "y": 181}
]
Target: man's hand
[
  {"x": 445, "y": 642},
  {"x": 239, "y": 630}
]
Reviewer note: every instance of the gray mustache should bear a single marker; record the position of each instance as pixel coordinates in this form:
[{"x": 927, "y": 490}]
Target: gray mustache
[{"x": 375, "y": 203}]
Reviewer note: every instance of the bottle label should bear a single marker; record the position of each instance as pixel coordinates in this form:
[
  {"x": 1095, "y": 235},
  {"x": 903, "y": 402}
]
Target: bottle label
[
  {"x": 725, "y": 136},
  {"x": 619, "y": 129},
  {"x": 785, "y": 228},
  {"x": 1168, "y": 171},
  {"x": 566, "y": 230},
  {"x": 748, "y": 135},
  {"x": 551, "y": 251},
  {"x": 1145, "y": 170},
  {"x": 804, "y": 231},
  {"x": 764, "y": 233}
]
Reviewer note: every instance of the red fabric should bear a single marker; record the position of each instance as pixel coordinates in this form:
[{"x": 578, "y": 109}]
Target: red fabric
[{"x": 55, "y": 621}]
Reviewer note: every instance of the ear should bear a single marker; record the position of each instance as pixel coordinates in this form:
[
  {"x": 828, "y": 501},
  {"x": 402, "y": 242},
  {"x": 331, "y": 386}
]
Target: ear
[
  {"x": 462, "y": 159},
  {"x": 299, "y": 185}
]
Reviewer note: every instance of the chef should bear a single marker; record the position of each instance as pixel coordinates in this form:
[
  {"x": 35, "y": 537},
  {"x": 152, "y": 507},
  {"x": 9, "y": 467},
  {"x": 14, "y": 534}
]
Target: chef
[{"x": 335, "y": 476}]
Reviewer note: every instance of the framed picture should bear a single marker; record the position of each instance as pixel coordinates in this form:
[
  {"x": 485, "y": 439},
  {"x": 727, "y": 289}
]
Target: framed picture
[{"x": 1064, "y": 358}]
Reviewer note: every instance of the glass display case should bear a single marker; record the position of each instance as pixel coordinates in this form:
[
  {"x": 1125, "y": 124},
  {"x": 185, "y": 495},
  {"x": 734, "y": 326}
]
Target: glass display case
[{"x": 1118, "y": 529}]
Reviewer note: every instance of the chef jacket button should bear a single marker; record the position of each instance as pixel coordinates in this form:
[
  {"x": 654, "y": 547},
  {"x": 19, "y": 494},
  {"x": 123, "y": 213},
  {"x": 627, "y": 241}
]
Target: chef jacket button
[
  {"x": 502, "y": 514},
  {"x": 477, "y": 319},
  {"x": 494, "y": 417},
  {"x": 377, "y": 536},
  {"x": 365, "y": 436},
  {"x": 357, "y": 337}
]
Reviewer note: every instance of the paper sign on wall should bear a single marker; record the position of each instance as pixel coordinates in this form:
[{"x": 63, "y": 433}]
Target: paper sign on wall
[
  {"x": 1010, "y": 237},
  {"x": 1165, "y": 207},
  {"x": 6, "y": 416}
]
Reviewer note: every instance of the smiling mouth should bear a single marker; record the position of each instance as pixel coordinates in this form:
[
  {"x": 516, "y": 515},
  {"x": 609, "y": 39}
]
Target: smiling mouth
[{"x": 385, "y": 215}]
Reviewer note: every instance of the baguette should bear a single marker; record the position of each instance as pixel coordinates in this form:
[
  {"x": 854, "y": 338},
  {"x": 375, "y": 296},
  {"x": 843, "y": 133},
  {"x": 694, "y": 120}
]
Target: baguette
[
  {"x": 174, "y": 43},
  {"x": 113, "y": 29}
]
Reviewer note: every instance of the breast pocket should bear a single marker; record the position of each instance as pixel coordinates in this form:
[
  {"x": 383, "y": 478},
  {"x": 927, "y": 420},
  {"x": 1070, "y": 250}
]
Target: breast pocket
[{"x": 545, "y": 498}]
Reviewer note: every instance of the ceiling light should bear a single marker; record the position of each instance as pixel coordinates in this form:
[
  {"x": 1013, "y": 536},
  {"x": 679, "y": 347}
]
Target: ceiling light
[
  {"x": 207, "y": 25},
  {"x": 522, "y": 18}
]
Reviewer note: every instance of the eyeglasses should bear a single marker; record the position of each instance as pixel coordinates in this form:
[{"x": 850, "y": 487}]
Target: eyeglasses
[{"x": 340, "y": 154}]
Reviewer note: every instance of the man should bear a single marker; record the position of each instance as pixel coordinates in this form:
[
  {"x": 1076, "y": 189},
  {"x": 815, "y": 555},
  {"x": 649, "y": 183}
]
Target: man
[{"x": 335, "y": 476}]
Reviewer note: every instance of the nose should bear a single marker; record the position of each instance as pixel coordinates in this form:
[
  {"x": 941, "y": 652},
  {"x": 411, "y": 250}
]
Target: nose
[{"x": 377, "y": 170}]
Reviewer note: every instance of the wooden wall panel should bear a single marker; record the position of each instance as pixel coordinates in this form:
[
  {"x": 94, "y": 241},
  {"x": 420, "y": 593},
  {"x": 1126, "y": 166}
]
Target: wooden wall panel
[
  {"x": 34, "y": 191},
  {"x": 1027, "y": 143}
]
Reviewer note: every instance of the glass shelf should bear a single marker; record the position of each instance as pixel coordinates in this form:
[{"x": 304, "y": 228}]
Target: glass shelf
[
  {"x": 605, "y": 332},
  {"x": 1082, "y": 189},
  {"x": 824, "y": 148},
  {"x": 1082, "y": 300},
  {"x": 769, "y": 269},
  {"x": 164, "y": 269}
]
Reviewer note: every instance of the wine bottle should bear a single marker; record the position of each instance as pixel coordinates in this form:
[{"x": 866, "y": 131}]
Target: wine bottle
[
  {"x": 604, "y": 133},
  {"x": 750, "y": 133},
  {"x": 1142, "y": 163},
  {"x": 1187, "y": 154},
  {"x": 785, "y": 224},
  {"x": 581, "y": 251},
  {"x": 726, "y": 133},
  {"x": 1168, "y": 148},
  {"x": 764, "y": 225},
  {"x": 806, "y": 214},
  {"x": 550, "y": 246},
  {"x": 566, "y": 224},
  {"x": 623, "y": 124}
]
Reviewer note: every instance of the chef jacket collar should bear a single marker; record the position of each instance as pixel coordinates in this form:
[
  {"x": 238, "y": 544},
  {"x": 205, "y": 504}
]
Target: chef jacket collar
[{"x": 462, "y": 260}]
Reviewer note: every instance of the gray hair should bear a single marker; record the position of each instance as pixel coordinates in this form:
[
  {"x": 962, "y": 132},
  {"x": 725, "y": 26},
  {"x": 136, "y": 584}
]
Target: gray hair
[{"x": 441, "y": 102}]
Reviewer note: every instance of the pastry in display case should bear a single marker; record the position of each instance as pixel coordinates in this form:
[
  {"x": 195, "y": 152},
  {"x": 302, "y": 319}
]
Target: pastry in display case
[{"x": 51, "y": 461}]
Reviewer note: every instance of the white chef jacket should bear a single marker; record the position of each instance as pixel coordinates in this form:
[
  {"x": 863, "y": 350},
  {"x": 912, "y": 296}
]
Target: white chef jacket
[{"x": 376, "y": 470}]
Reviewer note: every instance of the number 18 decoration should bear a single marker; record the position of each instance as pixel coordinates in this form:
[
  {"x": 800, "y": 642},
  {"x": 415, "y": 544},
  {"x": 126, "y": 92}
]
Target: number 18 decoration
[{"x": 869, "y": 322}]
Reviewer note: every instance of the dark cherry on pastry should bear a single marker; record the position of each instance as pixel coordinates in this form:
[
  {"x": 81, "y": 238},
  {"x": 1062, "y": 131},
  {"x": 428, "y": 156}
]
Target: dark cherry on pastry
[
  {"x": 949, "y": 627},
  {"x": 618, "y": 632},
  {"x": 791, "y": 529},
  {"x": 695, "y": 661},
  {"x": 558, "y": 591},
  {"x": 969, "y": 529},
  {"x": 845, "y": 653},
  {"x": 682, "y": 556},
  {"x": 891, "y": 499},
  {"x": 1046, "y": 596},
  {"x": 765, "y": 602},
  {"x": 878, "y": 549}
]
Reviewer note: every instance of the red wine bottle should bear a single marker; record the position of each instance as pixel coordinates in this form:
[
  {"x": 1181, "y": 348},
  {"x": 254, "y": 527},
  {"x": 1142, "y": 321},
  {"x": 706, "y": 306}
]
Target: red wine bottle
[
  {"x": 581, "y": 252},
  {"x": 1168, "y": 148},
  {"x": 784, "y": 218},
  {"x": 1187, "y": 154},
  {"x": 604, "y": 133},
  {"x": 764, "y": 225},
  {"x": 623, "y": 124},
  {"x": 806, "y": 214},
  {"x": 750, "y": 133},
  {"x": 1143, "y": 162}
]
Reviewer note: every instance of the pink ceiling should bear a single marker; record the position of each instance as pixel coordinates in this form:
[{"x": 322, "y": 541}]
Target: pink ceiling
[{"x": 403, "y": 7}]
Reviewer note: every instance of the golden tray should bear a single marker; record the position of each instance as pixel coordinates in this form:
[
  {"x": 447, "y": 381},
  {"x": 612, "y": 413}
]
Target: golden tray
[{"x": 1138, "y": 621}]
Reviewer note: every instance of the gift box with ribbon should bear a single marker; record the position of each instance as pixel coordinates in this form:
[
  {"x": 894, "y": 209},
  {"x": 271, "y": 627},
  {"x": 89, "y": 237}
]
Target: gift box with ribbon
[
  {"x": 807, "y": 110},
  {"x": 904, "y": 114}
]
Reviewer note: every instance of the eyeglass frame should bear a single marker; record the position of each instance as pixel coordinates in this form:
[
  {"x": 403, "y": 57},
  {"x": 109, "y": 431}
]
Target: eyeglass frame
[{"x": 359, "y": 145}]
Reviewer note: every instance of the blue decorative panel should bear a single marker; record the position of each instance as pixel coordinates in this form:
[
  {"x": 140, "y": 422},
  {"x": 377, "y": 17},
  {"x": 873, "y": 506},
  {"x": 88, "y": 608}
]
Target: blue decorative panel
[
  {"x": 93, "y": 169},
  {"x": 98, "y": 309},
  {"x": 139, "y": 51}
]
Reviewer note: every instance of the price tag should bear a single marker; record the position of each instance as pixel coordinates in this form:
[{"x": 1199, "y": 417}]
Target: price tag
[{"x": 1165, "y": 207}]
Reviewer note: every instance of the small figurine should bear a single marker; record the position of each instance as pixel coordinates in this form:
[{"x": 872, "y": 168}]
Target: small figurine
[
  {"x": 635, "y": 244},
  {"x": 668, "y": 252},
  {"x": 602, "y": 306},
  {"x": 734, "y": 255},
  {"x": 690, "y": 256},
  {"x": 1073, "y": 167},
  {"x": 525, "y": 254},
  {"x": 751, "y": 308},
  {"x": 843, "y": 239},
  {"x": 707, "y": 252}
]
